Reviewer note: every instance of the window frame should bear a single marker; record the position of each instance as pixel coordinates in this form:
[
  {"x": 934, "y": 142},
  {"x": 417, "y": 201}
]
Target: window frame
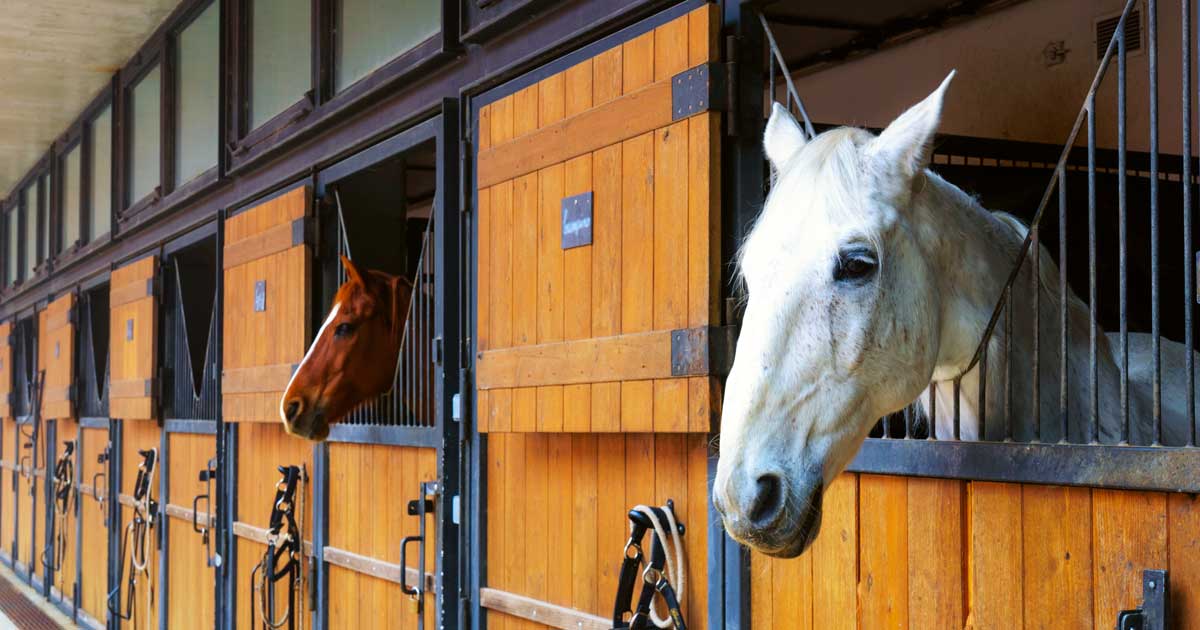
[
  {"x": 321, "y": 103},
  {"x": 33, "y": 179},
  {"x": 8, "y": 207},
  {"x": 143, "y": 63},
  {"x": 184, "y": 18},
  {"x": 69, "y": 141},
  {"x": 87, "y": 122}
]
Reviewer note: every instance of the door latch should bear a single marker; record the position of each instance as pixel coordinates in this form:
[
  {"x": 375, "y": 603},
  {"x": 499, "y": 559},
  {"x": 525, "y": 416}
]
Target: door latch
[{"x": 1156, "y": 608}]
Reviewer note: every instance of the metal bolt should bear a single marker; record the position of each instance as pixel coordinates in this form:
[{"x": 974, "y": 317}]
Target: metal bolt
[{"x": 1153, "y": 586}]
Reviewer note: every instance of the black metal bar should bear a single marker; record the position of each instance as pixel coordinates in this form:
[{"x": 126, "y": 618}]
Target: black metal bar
[
  {"x": 1189, "y": 291},
  {"x": 387, "y": 435},
  {"x": 320, "y": 535},
  {"x": 957, "y": 404},
  {"x": 1036, "y": 289},
  {"x": 164, "y": 528},
  {"x": 1133, "y": 467},
  {"x": 933, "y": 410},
  {"x": 983, "y": 368},
  {"x": 1093, "y": 331},
  {"x": 201, "y": 427},
  {"x": 1123, "y": 237},
  {"x": 1008, "y": 388},
  {"x": 1064, "y": 328},
  {"x": 1156, "y": 328}
]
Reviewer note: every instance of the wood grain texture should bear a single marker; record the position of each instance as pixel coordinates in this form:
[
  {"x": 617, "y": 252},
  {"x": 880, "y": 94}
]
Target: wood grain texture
[
  {"x": 995, "y": 579},
  {"x": 261, "y": 346},
  {"x": 94, "y": 587},
  {"x": 6, "y": 373},
  {"x": 56, "y": 356},
  {"x": 1129, "y": 535},
  {"x": 936, "y": 567},
  {"x": 133, "y": 359},
  {"x": 883, "y": 553},
  {"x": 1057, "y": 563},
  {"x": 188, "y": 454}
]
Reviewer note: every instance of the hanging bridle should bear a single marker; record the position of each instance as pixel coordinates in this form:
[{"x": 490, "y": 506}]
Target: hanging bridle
[
  {"x": 134, "y": 542},
  {"x": 64, "y": 476},
  {"x": 285, "y": 542},
  {"x": 658, "y": 574}
]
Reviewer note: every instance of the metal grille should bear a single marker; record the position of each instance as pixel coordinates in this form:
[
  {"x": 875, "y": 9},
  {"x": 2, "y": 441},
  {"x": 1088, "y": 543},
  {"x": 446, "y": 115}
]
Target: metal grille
[
  {"x": 410, "y": 403},
  {"x": 92, "y": 369},
  {"x": 186, "y": 396},
  {"x": 1106, "y": 27},
  {"x": 1084, "y": 445},
  {"x": 25, "y": 363}
]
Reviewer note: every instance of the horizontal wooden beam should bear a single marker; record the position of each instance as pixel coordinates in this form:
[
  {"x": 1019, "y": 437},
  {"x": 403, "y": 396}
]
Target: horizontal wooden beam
[
  {"x": 620, "y": 119},
  {"x": 632, "y": 357},
  {"x": 86, "y": 488},
  {"x": 270, "y": 241},
  {"x": 258, "y": 379},
  {"x": 543, "y": 613},
  {"x": 259, "y": 535},
  {"x": 131, "y": 292},
  {"x": 375, "y": 568},
  {"x": 185, "y": 514},
  {"x": 131, "y": 388}
]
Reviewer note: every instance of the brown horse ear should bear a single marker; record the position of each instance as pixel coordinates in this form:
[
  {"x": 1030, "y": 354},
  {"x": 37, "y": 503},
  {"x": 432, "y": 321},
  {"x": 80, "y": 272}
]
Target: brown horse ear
[{"x": 353, "y": 273}]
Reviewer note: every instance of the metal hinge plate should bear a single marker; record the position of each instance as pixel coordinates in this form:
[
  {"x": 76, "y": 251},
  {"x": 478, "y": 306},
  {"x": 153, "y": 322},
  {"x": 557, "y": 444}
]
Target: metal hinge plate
[
  {"x": 703, "y": 351},
  {"x": 1156, "y": 608},
  {"x": 698, "y": 89}
]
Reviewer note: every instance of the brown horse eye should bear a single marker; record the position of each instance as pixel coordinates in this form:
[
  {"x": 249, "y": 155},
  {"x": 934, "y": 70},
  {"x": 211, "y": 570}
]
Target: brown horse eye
[{"x": 343, "y": 331}]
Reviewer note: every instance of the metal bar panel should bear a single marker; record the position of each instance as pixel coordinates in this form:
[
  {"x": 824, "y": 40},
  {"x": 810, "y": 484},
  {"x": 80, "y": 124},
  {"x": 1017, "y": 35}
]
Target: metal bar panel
[
  {"x": 1189, "y": 291},
  {"x": 1156, "y": 328}
]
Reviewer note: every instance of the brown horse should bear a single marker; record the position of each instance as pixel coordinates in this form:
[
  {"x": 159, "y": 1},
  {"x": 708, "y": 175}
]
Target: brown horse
[{"x": 353, "y": 358}]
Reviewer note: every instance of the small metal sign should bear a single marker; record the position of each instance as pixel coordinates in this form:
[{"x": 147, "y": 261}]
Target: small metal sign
[
  {"x": 577, "y": 220},
  {"x": 129, "y": 330},
  {"x": 56, "y": 349},
  {"x": 260, "y": 296}
]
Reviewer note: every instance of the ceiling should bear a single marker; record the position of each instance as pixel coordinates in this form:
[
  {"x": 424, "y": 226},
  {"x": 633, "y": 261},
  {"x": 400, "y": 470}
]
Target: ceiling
[
  {"x": 56, "y": 56},
  {"x": 812, "y": 34}
]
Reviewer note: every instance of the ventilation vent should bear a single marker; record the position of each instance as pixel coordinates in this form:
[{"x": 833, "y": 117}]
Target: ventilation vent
[{"x": 1107, "y": 27}]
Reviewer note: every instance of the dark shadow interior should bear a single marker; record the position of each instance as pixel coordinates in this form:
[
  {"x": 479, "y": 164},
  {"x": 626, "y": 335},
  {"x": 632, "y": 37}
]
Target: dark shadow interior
[{"x": 191, "y": 276}]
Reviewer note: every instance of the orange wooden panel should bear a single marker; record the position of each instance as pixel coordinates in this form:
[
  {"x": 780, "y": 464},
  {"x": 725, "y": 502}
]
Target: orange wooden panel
[
  {"x": 133, "y": 340},
  {"x": 64, "y": 524},
  {"x": 835, "y": 557},
  {"x": 883, "y": 559},
  {"x": 1183, "y": 515},
  {"x": 6, "y": 373},
  {"x": 637, "y": 56},
  {"x": 8, "y": 497},
  {"x": 141, "y": 435},
  {"x": 995, "y": 578},
  {"x": 187, "y": 455},
  {"x": 272, "y": 339},
  {"x": 1129, "y": 535},
  {"x": 936, "y": 563},
  {"x": 550, "y": 263},
  {"x": 56, "y": 356},
  {"x": 1057, "y": 563},
  {"x": 94, "y": 587}
]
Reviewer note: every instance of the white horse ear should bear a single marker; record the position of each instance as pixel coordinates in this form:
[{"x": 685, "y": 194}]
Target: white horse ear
[
  {"x": 908, "y": 141},
  {"x": 783, "y": 137}
]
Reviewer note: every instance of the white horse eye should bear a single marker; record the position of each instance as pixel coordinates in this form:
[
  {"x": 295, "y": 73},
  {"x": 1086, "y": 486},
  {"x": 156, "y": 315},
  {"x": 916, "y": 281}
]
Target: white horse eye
[{"x": 853, "y": 265}]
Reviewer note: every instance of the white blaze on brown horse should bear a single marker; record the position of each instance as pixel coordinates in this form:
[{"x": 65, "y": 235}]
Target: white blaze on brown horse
[{"x": 353, "y": 358}]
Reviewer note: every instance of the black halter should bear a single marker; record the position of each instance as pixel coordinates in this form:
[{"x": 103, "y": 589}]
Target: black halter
[
  {"x": 282, "y": 560},
  {"x": 64, "y": 476},
  {"x": 654, "y": 578},
  {"x": 134, "y": 543}
]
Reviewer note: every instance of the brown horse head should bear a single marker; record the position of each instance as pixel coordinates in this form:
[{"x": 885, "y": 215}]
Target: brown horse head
[{"x": 353, "y": 357}]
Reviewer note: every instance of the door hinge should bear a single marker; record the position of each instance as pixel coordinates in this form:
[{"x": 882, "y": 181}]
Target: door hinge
[
  {"x": 1156, "y": 604},
  {"x": 437, "y": 350}
]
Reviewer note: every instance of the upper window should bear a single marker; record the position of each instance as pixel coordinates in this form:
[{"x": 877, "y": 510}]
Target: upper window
[
  {"x": 100, "y": 204},
  {"x": 45, "y": 182},
  {"x": 70, "y": 167},
  {"x": 280, "y": 57},
  {"x": 145, "y": 136},
  {"x": 370, "y": 33},
  {"x": 29, "y": 218},
  {"x": 197, "y": 93}
]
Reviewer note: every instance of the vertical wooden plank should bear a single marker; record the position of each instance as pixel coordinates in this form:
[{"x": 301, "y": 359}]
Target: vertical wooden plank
[
  {"x": 1130, "y": 534},
  {"x": 500, "y": 409},
  {"x": 577, "y": 284},
  {"x": 696, "y": 539},
  {"x": 792, "y": 601},
  {"x": 670, "y": 233},
  {"x": 525, "y": 263},
  {"x": 501, "y": 287},
  {"x": 612, "y": 528},
  {"x": 637, "y": 265},
  {"x": 936, "y": 563},
  {"x": 637, "y": 63},
  {"x": 525, "y": 409},
  {"x": 1057, "y": 532},
  {"x": 537, "y": 516},
  {"x": 704, "y": 219},
  {"x": 994, "y": 580},
  {"x": 550, "y": 266},
  {"x": 835, "y": 557},
  {"x": 883, "y": 569},
  {"x": 561, "y": 516},
  {"x": 671, "y": 49},
  {"x": 1183, "y": 514},
  {"x": 517, "y": 517},
  {"x": 525, "y": 111},
  {"x": 585, "y": 495},
  {"x": 762, "y": 592},
  {"x": 578, "y": 80},
  {"x": 606, "y": 267},
  {"x": 703, "y": 31},
  {"x": 607, "y": 75},
  {"x": 497, "y": 521}
]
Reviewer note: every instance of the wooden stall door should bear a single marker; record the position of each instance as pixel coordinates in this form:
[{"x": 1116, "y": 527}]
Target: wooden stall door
[
  {"x": 61, "y": 526},
  {"x": 6, "y": 370},
  {"x": 30, "y": 502},
  {"x": 191, "y": 581},
  {"x": 598, "y": 235},
  {"x": 93, "y": 514},
  {"x": 141, "y": 435},
  {"x": 8, "y": 488},
  {"x": 133, "y": 340},
  {"x": 56, "y": 357},
  {"x": 267, "y": 304}
]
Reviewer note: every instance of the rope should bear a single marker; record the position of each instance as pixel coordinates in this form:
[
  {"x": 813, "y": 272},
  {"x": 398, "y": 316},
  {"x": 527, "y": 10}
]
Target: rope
[{"x": 673, "y": 571}]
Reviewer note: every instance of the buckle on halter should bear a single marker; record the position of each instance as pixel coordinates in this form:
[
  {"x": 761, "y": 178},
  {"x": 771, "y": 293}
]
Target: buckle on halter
[
  {"x": 651, "y": 575},
  {"x": 637, "y": 547}
]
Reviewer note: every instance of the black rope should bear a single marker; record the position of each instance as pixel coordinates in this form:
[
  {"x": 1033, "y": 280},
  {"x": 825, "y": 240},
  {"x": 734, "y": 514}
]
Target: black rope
[
  {"x": 284, "y": 556},
  {"x": 654, "y": 576}
]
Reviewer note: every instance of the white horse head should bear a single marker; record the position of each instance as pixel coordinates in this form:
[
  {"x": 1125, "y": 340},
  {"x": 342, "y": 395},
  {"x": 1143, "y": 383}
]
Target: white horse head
[{"x": 841, "y": 326}]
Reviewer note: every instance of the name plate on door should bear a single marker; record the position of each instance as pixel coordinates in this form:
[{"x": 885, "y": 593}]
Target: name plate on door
[
  {"x": 129, "y": 330},
  {"x": 577, "y": 220},
  {"x": 260, "y": 296}
]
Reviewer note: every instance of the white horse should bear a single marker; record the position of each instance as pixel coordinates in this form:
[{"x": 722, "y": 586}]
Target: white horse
[{"x": 869, "y": 279}]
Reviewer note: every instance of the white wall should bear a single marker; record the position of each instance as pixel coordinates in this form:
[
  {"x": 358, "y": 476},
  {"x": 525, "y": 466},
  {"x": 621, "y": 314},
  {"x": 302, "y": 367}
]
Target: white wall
[{"x": 1004, "y": 89}]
